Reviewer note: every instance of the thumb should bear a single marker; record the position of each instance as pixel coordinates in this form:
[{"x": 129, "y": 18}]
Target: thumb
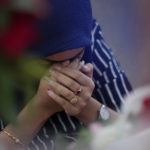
[{"x": 87, "y": 69}]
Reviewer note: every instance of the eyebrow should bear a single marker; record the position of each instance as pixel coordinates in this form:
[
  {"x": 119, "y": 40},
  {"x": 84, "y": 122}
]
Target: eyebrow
[{"x": 71, "y": 59}]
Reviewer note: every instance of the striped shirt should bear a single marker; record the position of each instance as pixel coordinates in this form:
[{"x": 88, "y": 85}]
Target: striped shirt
[{"x": 111, "y": 85}]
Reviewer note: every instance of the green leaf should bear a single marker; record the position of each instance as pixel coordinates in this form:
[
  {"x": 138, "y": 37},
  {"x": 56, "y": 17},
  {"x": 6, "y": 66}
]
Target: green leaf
[
  {"x": 32, "y": 68},
  {"x": 23, "y": 73}
]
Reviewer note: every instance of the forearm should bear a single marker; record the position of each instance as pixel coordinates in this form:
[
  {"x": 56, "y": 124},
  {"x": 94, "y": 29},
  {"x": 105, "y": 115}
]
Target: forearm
[
  {"x": 29, "y": 122},
  {"x": 89, "y": 114}
]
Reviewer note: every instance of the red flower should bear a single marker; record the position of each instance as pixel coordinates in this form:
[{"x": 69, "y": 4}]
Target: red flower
[
  {"x": 19, "y": 35},
  {"x": 147, "y": 103}
]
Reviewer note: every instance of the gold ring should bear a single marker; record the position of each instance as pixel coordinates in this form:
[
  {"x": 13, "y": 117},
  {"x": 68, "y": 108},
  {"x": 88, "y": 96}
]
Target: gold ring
[
  {"x": 74, "y": 100},
  {"x": 79, "y": 91}
]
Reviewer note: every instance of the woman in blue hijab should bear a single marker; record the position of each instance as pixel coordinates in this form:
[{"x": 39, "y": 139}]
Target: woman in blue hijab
[{"x": 69, "y": 32}]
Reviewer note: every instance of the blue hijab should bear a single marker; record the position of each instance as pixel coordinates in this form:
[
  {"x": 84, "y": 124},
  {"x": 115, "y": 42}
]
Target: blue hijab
[{"x": 67, "y": 26}]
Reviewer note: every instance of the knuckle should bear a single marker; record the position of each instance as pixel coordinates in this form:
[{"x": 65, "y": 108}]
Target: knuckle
[
  {"x": 69, "y": 95},
  {"x": 75, "y": 87},
  {"x": 87, "y": 96},
  {"x": 92, "y": 85},
  {"x": 77, "y": 111},
  {"x": 78, "y": 87},
  {"x": 82, "y": 105}
]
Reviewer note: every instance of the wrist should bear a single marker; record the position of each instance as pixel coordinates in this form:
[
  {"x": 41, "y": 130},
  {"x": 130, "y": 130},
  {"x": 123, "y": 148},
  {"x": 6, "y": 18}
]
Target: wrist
[
  {"x": 29, "y": 121},
  {"x": 89, "y": 113},
  {"x": 42, "y": 108}
]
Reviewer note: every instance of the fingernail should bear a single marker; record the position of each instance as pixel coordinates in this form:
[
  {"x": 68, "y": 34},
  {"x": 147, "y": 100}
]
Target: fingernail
[
  {"x": 87, "y": 68},
  {"x": 82, "y": 62},
  {"x": 50, "y": 92}
]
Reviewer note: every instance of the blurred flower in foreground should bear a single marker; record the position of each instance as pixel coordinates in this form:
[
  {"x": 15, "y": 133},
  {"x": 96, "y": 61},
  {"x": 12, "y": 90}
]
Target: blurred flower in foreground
[
  {"x": 130, "y": 131},
  {"x": 95, "y": 127},
  {"x": 19, "y": 35},
  {"x": 18, "y": 70},
  {"x": 17, "y": 25},
  {"x": 135, "y": 120}
]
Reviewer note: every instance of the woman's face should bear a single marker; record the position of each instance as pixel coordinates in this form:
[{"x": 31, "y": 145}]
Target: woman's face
[{"x": 66, "y": 55}]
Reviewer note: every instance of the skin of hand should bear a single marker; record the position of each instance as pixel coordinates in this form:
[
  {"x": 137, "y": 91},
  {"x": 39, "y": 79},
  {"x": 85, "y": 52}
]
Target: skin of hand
[
  {"x": 86, "y": 111},
  {"x": 62, "y": 86},
  {"x": 30, "y": 123},
  {"x": 48, "y": 104},
  {"x": 44, "y": 106},
  {"x": 42, "y": 98},
  {"x": 89, "y": 114},
  {"x": 57, "y": 84},
  {"x": 65, "y": 82},
  {"x": 44, "y": 101},
  {"x": 80, "y": 111},
  {"x": 30, "y": 119}
]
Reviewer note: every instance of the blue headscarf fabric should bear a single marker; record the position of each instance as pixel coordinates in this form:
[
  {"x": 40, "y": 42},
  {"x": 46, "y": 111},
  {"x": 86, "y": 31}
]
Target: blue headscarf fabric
[{"x": 68, "y": 26}]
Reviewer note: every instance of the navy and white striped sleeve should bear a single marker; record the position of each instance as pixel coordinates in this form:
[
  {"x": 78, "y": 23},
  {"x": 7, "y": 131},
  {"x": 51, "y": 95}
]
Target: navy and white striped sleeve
[{"x": 111, "y": 83}]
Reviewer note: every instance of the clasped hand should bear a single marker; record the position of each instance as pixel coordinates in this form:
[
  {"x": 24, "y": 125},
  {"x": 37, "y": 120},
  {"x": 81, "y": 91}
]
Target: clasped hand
[{"x": 68, "y": 88}]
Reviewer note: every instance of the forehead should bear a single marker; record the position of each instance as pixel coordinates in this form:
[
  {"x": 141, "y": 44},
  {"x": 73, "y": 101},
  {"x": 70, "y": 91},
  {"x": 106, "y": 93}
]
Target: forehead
[{"x": 68, "y": 54}]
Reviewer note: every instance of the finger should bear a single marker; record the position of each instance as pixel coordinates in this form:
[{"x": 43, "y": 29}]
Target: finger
[
  {"x": 66, "y": 81},
  {"x": 61, "y": 90},
  {"x": 87, "y": 69},
  {"x": 67, "y": 106},
  {"x": 76, "y": 75},
  {"x": 81, "y": 101},
  {"x": 81, "y": 64},
  {"x": 74, "y": 64}
]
